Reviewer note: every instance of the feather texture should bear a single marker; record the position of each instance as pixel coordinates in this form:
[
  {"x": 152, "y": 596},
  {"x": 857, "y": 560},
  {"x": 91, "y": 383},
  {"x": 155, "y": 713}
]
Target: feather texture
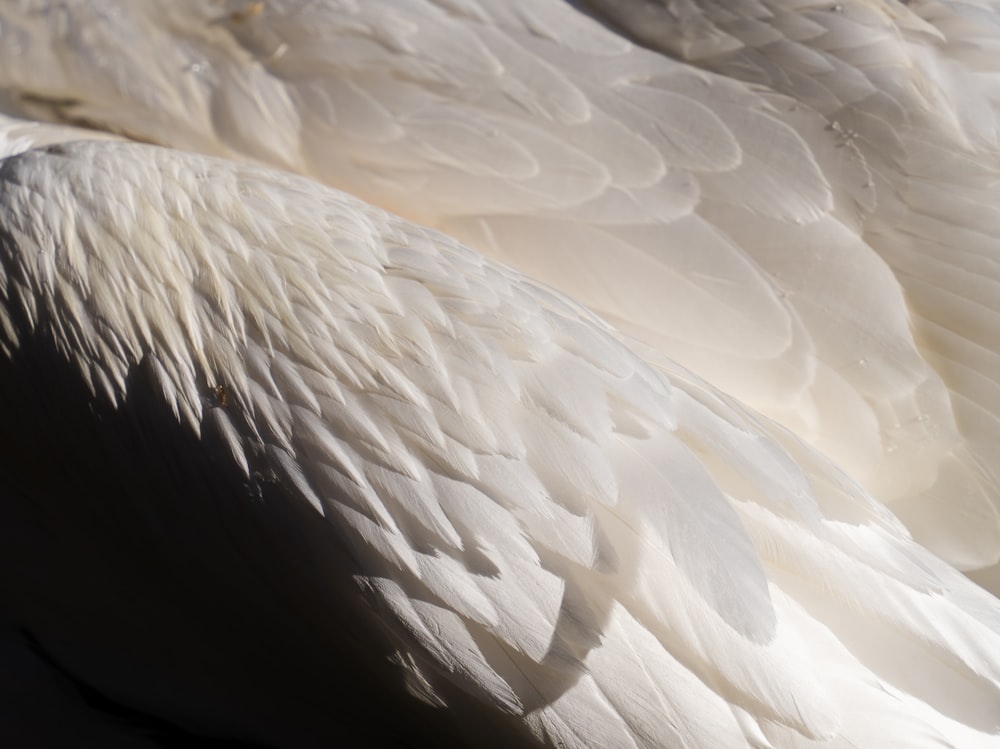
[
  {"x": 782, "y": 242},
  {"x": 912, "y": 90},
  {"x": 624, "y": 583}
]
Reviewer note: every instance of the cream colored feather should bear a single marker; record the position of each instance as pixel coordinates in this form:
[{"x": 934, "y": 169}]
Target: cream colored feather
[
  {"x": 554, "y": 542},
  {"x": 272, "y": 457},
  {"x": 746, "y": 234},
  {"x": 913, "y": 89}
]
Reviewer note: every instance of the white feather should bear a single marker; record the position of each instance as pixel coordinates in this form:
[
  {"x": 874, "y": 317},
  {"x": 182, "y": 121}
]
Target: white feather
[
  {"x": 775, "y": 243},
  {"x": 912, "y": 90},
  {"x": 680, "y": 603}
]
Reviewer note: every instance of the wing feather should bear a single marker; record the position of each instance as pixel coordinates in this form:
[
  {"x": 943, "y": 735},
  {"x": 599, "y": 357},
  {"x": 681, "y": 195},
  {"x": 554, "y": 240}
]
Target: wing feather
[{"x": 781, "y": 602}]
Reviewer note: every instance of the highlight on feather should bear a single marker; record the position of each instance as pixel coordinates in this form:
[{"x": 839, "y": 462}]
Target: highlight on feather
[
  {"x": 775, "y": 229},
  {"x": 272, "y": 456},
  {"x": 668, "y": 536}
]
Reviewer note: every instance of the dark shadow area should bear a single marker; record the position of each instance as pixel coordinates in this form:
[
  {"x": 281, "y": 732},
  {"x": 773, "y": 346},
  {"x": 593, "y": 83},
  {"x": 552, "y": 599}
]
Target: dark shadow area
[
  {"x": 179, "y": 602},
  {"x": 147, "y": 730}
]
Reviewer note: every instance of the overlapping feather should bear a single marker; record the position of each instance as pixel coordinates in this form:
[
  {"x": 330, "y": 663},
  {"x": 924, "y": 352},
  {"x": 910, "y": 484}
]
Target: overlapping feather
[
  {"x": 720, "y": 223},
  {"x": 607, "y": 553},
  {"x": 912, "y": 89}
]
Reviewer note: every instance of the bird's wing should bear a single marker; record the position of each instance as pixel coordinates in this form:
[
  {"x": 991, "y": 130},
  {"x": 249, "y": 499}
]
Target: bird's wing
[
  {"x": 716, "y": 221},
  {"x": 605, "y": 554},
  {"x": 914, "y": 89}
]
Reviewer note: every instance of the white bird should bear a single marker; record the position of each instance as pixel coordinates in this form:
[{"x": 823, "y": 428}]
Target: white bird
[
  {"x": 726, "y": 225},
  {"x": 338, "y": 457},
  {"x": 272, "y": 455}
]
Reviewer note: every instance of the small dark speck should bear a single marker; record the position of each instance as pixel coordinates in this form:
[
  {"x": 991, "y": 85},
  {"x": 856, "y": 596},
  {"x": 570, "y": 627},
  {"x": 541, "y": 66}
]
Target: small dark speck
[{"x": 220, "y": 395}]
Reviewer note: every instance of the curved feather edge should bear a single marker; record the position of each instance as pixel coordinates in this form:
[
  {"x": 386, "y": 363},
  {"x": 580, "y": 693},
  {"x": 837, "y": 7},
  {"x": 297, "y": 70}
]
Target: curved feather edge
[
  {"x": 535, "y": 626},
  {"x": 595, "y": 169}
]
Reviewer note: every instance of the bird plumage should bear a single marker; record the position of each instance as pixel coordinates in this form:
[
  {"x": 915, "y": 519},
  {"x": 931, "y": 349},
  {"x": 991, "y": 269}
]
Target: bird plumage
[
  {"x": 726, "y": 225},
  {"x": 912, "y": 90},
  {"x": 540, "y": 519},
  {"x": 284, "y": 420}
]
